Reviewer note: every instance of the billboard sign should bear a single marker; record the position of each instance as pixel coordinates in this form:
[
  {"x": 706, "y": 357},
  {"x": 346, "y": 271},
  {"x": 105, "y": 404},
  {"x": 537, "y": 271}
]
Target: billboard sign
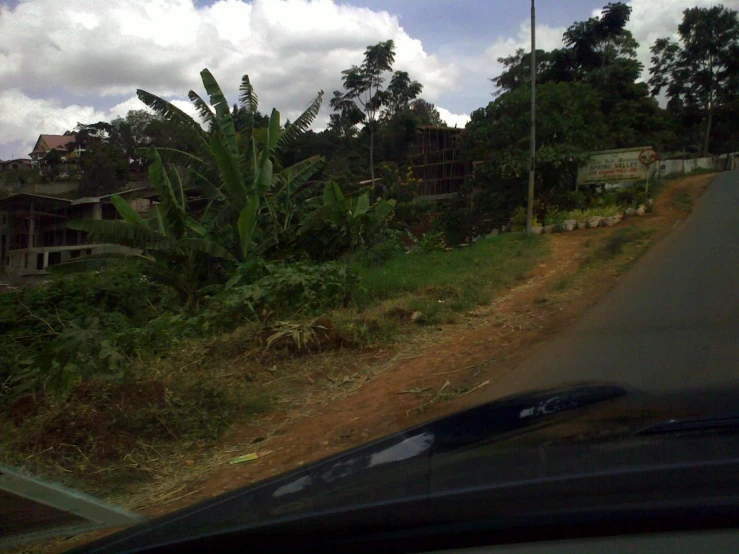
[{"x": 613, "y": 166}]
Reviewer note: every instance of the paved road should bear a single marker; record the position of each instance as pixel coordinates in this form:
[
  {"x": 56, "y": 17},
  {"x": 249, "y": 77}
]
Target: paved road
[{"x": 672, "y": 321}]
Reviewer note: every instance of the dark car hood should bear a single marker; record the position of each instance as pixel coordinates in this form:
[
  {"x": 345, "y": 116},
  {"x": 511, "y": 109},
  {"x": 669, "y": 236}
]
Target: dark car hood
[{"x": 524, "y": 440}]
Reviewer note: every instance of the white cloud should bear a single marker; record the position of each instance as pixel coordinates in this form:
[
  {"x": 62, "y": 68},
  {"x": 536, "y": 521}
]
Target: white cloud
[
  {"x": 23, "y": 118},
  {"x": 547, "y": 38},
  {"x": 453, "y": 119},
  {"x": 290, "y": 49},
  {"x": 56, "y": 56}
]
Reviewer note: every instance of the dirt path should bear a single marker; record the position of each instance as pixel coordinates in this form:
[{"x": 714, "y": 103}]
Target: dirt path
[{"x": 461, "y": 363}]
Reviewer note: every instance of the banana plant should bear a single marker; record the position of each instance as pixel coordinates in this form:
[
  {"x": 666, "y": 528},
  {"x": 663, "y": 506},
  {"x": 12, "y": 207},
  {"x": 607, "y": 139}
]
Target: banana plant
[
  {"x": 177, "y": 250},
  {"x": 233, "y": 168},
  {"x": 236, "y": 170},
  {"x": 355, "y": 217}
]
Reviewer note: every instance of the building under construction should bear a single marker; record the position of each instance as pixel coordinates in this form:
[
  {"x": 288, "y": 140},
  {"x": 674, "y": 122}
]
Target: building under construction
[{"x": 435, "y": 159}]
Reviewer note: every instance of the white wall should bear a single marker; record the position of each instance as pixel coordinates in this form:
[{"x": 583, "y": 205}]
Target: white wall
[{"x": 685, "y": 167}]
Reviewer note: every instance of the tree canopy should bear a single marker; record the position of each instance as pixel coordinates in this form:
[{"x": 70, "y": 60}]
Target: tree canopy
[{"x": 700, "y": 71}]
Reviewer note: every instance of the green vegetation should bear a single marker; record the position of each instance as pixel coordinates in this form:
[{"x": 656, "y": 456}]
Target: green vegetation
[
  {"x": 441, "y": 283},
  {"x": 698, "y": 72},
  {"x": 616, "y": 243},
  {"x": 682, "y": 201},
  {"x": 581, "y": 215}
]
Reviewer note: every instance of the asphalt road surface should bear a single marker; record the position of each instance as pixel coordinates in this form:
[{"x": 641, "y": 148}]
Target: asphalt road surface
[{"x": 671, "y": 322}]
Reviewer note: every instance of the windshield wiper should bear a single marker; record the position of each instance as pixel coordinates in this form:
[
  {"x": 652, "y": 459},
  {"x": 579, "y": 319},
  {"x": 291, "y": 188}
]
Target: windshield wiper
[{"x": 691, "y": 424}]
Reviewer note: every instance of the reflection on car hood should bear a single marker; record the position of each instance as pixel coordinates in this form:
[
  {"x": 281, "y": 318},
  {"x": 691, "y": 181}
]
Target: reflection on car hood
[{"x": 574, "y": 428}]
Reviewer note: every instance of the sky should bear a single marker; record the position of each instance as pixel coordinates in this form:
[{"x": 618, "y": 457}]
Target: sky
[{"x": 64, "y": 62}]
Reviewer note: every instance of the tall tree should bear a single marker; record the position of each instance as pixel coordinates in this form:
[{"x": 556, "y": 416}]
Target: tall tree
[
  {"x": 401, "y": 91},
  {"x": 364, "y": 86},
  {"x": 570, "y": 125},
  {"x": 426, "y": 113},
  {"x": 602, "y": 42},
  {"x": 104, "y": 170},
  {"x": 348, "y": 117},
  {"x": 602, "y": 53},
  {"x": 699, "y": 71},
  {"x": 129, "y": 133}
]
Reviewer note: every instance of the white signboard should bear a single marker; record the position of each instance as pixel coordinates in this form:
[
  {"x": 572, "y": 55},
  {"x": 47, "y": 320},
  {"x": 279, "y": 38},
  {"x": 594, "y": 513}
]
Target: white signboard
[{"x": 612, "y": 166}]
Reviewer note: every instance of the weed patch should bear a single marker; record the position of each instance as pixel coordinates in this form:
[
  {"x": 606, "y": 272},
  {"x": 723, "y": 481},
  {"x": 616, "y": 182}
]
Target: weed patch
[
  {"x": 108, "y": 433},
  {"x": 682, "y": 200},
  {"x": 616, "y": 244}
]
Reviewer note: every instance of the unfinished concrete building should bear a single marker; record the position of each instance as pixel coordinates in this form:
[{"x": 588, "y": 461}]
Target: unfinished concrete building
[
  {"x": 435, "y": 159},
  {"x": 34, "y": 233}
]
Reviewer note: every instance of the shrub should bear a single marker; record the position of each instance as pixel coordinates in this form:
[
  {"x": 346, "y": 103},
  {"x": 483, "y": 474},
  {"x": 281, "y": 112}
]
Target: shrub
[
  {"x": 632, "y": 196},
  {"x": 288, "y": 289},
  {"x": 581, "y": 215},
  {"x": 554, "y": 216},
  {"x": 379, "y": 253},
  {"x": 431, "y": 242},
  {"x": 67, "y": 330},
  {"x": 409, "y": 214},
  {"x": 481, "y": 205},
  {"x": 518, "y": 219}
]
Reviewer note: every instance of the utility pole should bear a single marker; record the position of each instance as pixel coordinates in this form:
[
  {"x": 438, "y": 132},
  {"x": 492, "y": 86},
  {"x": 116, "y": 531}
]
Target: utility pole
[{"x": 532, "y": 157}]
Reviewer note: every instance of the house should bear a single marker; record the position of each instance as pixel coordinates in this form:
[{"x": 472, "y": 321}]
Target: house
[
  {"x": 64, "y": 144},
  {"x": 20, "y": 163},
  {"x": 34, "y": 233}
]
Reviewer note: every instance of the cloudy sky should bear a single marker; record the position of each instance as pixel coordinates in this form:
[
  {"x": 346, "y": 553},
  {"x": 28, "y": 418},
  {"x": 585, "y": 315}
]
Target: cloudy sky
[{"x": 69, "y": 61}]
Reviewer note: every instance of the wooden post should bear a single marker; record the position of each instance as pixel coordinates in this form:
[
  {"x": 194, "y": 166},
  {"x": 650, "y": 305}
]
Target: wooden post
[{"x": 532, "y": 160}]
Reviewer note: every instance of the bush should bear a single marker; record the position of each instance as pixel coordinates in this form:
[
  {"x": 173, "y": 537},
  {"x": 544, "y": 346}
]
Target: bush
[
  {"x": 379, "y": 253},
  {"x": 410, "y": 214},
  {"x": 582, "y": 215},
  {"x": 553, "y": 216},
  {"x": 68, "y": 329},
  {"x": 431, "y": 242},
  {"x": 287, "y": 289},
  {"x": 518, "y": 219},
  {"x": 480, "y": 206},
  {"x": 632, "y": 196}
]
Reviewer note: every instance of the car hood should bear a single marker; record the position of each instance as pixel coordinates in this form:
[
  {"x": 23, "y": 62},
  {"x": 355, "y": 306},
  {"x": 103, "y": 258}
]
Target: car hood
[{"x": 522, "y": 440}]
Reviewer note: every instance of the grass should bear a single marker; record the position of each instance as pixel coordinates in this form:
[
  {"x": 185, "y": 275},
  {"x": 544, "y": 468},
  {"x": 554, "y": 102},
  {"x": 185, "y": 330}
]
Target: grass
[
  {"x": 682, "y": 200},
  {"x": 441, "y": 284}
]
